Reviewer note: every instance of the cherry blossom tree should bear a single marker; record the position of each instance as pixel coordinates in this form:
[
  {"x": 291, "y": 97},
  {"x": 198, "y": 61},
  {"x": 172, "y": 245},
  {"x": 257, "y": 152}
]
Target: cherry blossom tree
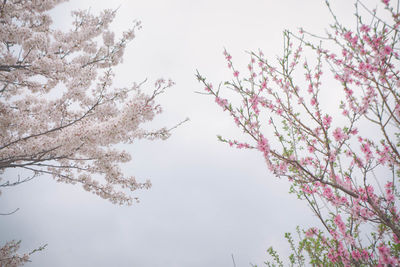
[
  {"x": 343, "y": 162},
  {"x": 60, "y": 113}
]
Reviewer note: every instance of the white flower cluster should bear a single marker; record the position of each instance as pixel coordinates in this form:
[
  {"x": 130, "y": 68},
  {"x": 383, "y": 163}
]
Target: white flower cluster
[
  {"x": 9, "y": 256},
  {"x": 60, "y": 114}
]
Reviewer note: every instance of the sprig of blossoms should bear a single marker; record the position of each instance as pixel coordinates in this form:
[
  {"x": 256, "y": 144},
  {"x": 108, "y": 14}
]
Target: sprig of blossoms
[{"x": 336, "y": 162}]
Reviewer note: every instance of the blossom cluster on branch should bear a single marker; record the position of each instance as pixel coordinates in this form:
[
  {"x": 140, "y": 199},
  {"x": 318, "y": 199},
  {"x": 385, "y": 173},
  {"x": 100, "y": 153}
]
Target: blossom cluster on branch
[
  {"x": 60, "y": 113},
  {"x": 345, "y": 164}
]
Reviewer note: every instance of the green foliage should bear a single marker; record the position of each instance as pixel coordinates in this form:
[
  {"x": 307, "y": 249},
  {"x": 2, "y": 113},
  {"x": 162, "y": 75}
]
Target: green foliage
[
  {"x": 305, "y": 250},
  {"x": 276, "y": 258}
]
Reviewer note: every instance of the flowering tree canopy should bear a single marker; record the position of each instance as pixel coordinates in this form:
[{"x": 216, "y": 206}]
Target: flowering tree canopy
[
  {"x": 60, "y": 114},
  {"x": 345, "y": 164}
]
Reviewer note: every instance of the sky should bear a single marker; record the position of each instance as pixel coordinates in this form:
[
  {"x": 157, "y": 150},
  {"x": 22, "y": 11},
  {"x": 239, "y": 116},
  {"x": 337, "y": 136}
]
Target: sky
[{"x": 208, "y": 201}]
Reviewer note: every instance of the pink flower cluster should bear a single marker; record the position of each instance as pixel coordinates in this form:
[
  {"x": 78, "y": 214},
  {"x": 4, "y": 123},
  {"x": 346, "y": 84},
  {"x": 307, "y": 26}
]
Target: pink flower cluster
[{"x": 340, "y": 168}]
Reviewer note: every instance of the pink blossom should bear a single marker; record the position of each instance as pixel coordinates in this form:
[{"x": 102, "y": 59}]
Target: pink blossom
[
  {"x": 340, "y": 224},
  {"x": 387, "y": 50},
  {"x": 263, "y": 146},
  {"x": 327, "y": 192},
  {"x": 222, "y": 102},
  {"x": 311, "y": 232},
  {"x": 389, "y": 192},
  {"x": 354, "y": 131},
  {"x": 365, "y": 28},
  {"x": 332, "y": 156},
  {"x": 348, "y": 36},
  {"x": 384, "y": 253},
  {"x": 264, "y": 85},
  {"x": 338, "y": 134},
  {"x": 365, "y": 147},
  {"x": 327, "y": 121},
  {"x": 365, "y": 254},
  {"x": 356, "y": 255},
  {"x": 396, "y": 239}
]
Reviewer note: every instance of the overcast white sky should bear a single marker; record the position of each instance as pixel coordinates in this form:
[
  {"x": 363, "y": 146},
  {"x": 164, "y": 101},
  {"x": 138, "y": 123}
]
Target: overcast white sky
[{"x": 208, "y": 201}]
